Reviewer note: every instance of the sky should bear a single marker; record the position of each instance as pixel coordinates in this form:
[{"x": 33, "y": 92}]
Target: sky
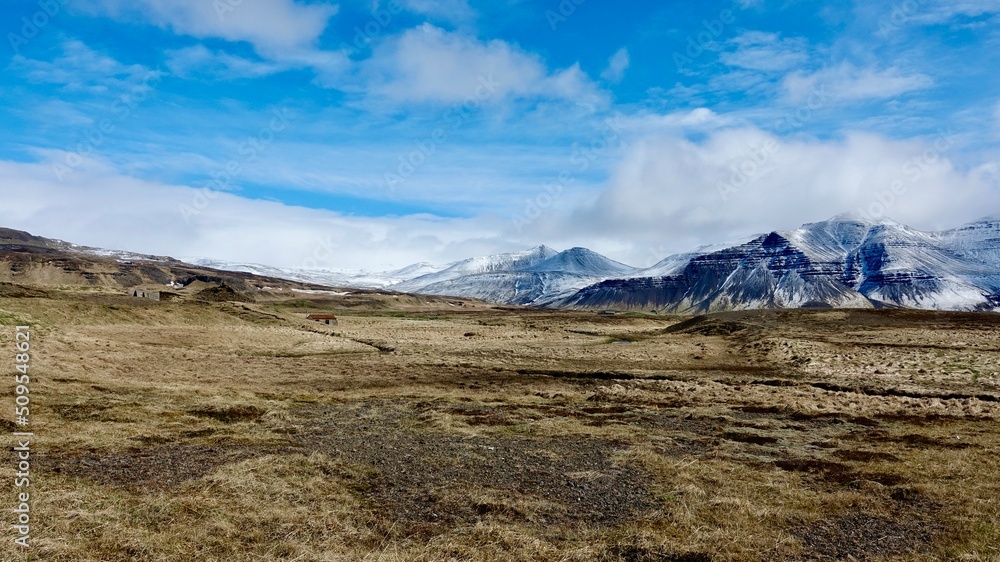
[{"x": 374, "y": 134}]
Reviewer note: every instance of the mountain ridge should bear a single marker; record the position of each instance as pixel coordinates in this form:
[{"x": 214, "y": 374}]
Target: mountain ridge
[{"x": 847, "y": 261}]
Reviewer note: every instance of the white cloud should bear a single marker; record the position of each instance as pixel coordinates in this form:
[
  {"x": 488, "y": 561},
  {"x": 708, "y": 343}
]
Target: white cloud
[
  {"x": 663, "y": 197},
  {"x": 430, "y": 64},
  {"x": 199, "y": 59},
  {"x": 674, "y": 193},
  {"x": 932, "y": 12},
  {"x": 284, "y": 33},
  {"x": 330, "y": 67},
  {"x": 100, "y": 207},
  {"x": 679, "y": 123},
  {"x": 452, "y": 11},
  {"x": 80, "y": 68},
  {"x": 767, "y": 52},
  {"x": 617, "y": 65},
  {"x": 273, "y": 27},
  {"x": 847, "y": 82}
]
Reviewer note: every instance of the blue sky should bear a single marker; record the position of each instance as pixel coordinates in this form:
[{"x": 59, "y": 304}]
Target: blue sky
[{"x": 419, "y": 130}]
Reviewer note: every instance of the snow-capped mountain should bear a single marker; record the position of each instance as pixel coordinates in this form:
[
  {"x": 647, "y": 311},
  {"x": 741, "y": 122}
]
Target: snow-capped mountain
[
  {"x": 500, "y": 263},
  {"x": 846, "y": 261},
  {"x": 843, "y": 262},
  {"x": 328, "y": 277},
  {"x": 537, "y": 276}
]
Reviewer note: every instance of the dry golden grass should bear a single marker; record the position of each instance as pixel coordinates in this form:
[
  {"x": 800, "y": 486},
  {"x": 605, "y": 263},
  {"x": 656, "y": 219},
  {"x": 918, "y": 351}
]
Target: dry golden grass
[{"x": 420, "y": 429}]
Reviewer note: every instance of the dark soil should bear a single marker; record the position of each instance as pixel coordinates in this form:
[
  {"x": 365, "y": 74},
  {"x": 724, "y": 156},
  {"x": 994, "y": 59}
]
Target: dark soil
[
  {"x": 418, "y": 476},
  {"x": 861, "y": 536},
  {"x": 149, "y": 468},
  {"x": 636, "y": 553},
  {"x": 428, "y": 479}
]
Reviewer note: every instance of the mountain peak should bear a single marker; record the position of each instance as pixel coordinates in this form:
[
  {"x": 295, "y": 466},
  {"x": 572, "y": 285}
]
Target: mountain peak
[
  {"x": 856, "y": 217},
  {"x": 581, "y": 261}
]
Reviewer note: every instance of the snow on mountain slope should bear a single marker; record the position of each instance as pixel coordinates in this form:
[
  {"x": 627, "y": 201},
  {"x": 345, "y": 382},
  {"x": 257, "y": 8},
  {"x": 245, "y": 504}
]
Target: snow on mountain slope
[
  {"x": 979, "y": 240},
  {"x": 842, "y": 262},
  {"x": 583, "y": 262},
  {"x": 846, "y": 261},
  {"x": 515, "y": 261},
  {"x": 328, "y": 277},
  {"x": 537, "y": 276}
]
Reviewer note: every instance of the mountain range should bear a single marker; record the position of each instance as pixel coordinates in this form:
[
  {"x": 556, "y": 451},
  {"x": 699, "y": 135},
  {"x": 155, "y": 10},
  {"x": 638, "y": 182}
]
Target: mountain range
[{"x": 844, "y": 262}]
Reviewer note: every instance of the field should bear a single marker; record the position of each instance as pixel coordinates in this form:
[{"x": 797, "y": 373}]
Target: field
[{"x": 433, "y": 430}]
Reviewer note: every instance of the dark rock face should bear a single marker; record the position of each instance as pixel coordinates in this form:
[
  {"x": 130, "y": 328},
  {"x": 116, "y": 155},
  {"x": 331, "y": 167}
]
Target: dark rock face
[{"x": 839, "y": 263}]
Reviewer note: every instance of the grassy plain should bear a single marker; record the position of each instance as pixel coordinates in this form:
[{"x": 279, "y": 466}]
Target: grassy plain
[{"x": 437, "y": 430}]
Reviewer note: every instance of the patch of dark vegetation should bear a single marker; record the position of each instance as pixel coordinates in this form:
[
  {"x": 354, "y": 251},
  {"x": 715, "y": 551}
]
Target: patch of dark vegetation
[
  {"x": 13, "y": 291},
  {"x": 812, "y": 466},
  {"x": 596, "y": 375},
  {"x": 759, "y": 409},
  {"x": 80, "y": 412},
  {"x": 899, "y": 393},
  {"x": 706, "y": 326},
  {"x": 382, "y": 347},
  {"x": 228, "y": 414},
  {"x": 837, "y": 473},
  {"x": 686, "y": 324},
  {"x": 908, "y": 495},
  {"x": 150, "y": 468},
  {"x": 6, "y": 426},
  {"x": 749, "y": 438},
  {"x": 930, "y": 419},
  {"x": 922, "y": 441},
  {"x": 489, "y": 420},
  {"x": 639, "y": 553},
  {"x": 833, "y": 418},
  {"x": 775, "y": 382},
  {"x": 605, "y": 410},
  {"x": 151, "y": 439},
  {"x": 864, "y": 456},
  {"x": 863, "y": 536},
  {"x": 223, "y": 293},
  {"x": 883, "y": 478},
  {"x": 198, "y": 433}
]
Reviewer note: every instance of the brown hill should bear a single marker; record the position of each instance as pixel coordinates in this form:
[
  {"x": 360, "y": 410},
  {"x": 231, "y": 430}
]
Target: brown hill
[{"x": 28, "y": 260}]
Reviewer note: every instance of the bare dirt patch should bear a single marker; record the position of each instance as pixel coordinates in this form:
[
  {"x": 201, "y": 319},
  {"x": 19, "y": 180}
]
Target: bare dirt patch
[
  {"x": 147, "y": 469},
  {"x": 429, "y": 479},
  {"x": 862, "y": 536}
]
